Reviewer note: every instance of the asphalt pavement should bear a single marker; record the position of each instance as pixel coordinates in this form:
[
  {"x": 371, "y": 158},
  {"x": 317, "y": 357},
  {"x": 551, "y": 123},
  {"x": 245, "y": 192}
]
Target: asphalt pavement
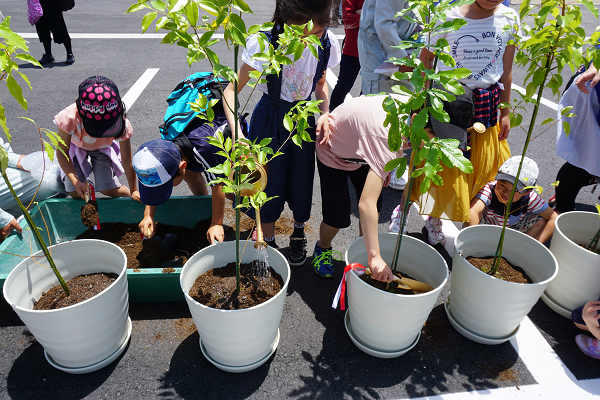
[{"x": 315, "y": 358}]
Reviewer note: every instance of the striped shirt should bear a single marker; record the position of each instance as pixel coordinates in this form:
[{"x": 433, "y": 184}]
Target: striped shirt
[{"x": 493, "y": 213}]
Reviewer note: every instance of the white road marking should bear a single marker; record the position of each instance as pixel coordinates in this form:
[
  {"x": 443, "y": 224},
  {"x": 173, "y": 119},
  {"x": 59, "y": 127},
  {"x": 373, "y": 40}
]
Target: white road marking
[
  {"x": 138, "y": 87},
  {"x": 545, "y": 101}
]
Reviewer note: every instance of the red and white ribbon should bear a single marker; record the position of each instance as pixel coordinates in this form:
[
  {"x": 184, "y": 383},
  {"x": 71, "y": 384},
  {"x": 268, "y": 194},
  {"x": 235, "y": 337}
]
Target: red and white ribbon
[{"x": 340, "y": 295}]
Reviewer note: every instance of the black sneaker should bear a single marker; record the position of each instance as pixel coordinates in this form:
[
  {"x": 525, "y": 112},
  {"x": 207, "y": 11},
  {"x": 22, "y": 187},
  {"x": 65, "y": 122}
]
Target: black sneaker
[
  {"x": 70, "y": 59},
  {"x": 297, "y": 254},
  {"x": 46, "y": 59}
]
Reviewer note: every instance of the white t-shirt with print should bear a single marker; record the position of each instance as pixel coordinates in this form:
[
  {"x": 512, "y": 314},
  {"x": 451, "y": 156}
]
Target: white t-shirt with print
[
  {"x": 298, "y": 78},
  {"x": 479, "y": 46}
]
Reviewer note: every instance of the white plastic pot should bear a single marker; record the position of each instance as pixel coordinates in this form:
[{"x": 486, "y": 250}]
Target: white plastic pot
[
  {"x": 82, "y": 337},
  {"x": 491, "y": 309},
  {"x": 385, "y": 322},
  {"x": 235, "y": 340},
  {"x": 579, "y": 269}
]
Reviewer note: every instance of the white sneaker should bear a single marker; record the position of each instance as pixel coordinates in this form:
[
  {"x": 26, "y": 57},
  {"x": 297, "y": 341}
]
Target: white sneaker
[
  {"x": 396, "y": 221},
  {"x": 398, "y": 183},
  {"x": 434, "y": 230}
]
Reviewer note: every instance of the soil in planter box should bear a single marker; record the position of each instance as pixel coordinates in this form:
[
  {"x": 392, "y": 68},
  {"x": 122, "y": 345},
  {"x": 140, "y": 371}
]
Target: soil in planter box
[
  {"x": 393, "y": 285},
  {"x": 216, "y": 288},
  {"x": 146, "y": 253},
  {"x": 82, "y": 287},
  {"x": 506, "y": 271},
  {"x": 89, "y": 214}
]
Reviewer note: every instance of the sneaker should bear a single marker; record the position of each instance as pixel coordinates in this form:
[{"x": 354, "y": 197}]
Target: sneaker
[
  {"x": 46, "y": 59},
  {"x": 434, "y": 230},
  {"x": 297, "y": 254},
  {"x": 589, "y": 346},
  {"x": 70, "y": 59},
  {"x": 323, "y": 261},
  {"x": 552, "y": 202},
  {"x": 396, "y": 221},
  {"x": 398, "y": 183}
]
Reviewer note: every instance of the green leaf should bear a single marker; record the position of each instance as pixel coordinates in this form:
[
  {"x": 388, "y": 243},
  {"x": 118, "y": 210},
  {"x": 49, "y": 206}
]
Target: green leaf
[
  {"x": 288, "y": 124},
  {"x": 566, "y": 127},
  {"x": 158, "y": 5},
  {"x": 136, "y": 7},
  {"x": 191, "y": 12},
  {"x": 15, "y": 91},
  {"x": 29, "y": 58},
  {"x": 297, "y": 140},
  {"x": 13, "y": 39},
  {"x": 3, "y": 124},
  {"x": 3, "y": 159},
  {"x": 393, "y": 164},
  {"x": 547, "y": 121},
  {"x": 242, "y": 6},
  {"x": 179, "y": 5},
  {"x": 590, "y": 6},
  {"x": 457, "y": 73},
  {"x": 147, "y": 20}
]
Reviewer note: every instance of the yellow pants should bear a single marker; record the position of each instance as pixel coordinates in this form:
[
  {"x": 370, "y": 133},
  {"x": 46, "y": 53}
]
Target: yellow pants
[{"x": 452, "y": 199}]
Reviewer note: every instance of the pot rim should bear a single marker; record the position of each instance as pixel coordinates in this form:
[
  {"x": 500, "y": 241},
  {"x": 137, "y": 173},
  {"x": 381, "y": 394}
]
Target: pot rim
[
  {"x": 122, "y": 275},
  {"x": 283, "y": 288},
  {"x": 418, "y": 241},
  {"x": 511, "y": 232},
  {"x": 573, "y": 213}
]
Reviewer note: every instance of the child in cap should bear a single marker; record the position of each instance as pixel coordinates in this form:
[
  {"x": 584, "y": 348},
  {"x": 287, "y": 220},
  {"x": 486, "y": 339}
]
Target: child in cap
[
  {"x": 96, "y": 133},
  {"x": 529, "y": 212},
  {"x": 161, "y": 164}
]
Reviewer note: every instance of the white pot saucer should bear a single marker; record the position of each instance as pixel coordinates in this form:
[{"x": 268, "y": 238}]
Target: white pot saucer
[
  {"x": 244, "y": 368},
  {"x": 98, "y": 365},
  {"x": 556, "y": 307},
  {"x": 373, "y": 352},
  {"x": 473, "y": 336}
]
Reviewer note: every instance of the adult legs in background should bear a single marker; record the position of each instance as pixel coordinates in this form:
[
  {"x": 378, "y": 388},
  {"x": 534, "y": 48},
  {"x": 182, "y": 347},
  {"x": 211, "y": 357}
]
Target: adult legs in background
[{"x": 571, "y": 180}]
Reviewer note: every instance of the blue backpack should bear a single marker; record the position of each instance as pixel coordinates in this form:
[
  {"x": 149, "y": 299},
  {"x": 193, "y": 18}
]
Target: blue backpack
[{"x": 179, "y": 113}]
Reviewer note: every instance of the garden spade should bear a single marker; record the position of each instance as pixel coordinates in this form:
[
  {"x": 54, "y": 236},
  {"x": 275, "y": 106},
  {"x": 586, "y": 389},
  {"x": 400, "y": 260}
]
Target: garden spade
[
  {"x": 406, "y": 283},
  {"x": 89, "y": 212}
]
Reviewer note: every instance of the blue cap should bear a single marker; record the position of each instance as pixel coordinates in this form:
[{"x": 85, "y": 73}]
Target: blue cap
[{"x": 156, "y": 164}]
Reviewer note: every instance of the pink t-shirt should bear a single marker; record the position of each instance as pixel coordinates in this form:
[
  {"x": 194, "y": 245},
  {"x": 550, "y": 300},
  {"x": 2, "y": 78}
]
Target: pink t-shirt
[
  {"x": 68, "y": 120},
  {"x": 356, "y": 131}
]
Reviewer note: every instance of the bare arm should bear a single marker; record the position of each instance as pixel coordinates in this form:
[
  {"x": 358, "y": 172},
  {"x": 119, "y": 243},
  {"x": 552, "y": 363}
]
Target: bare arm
[
  {"x": 477, "y": 207},
  {"x": 591, "y": 74},
  {"x": 322, "y": 93},
  {"x": 549, "y": 215},
  {"x": 67, "y": 165},
  {"x": 147, "y": 225},
  {"x": 215, "y": 231},
  {"x": 369, "y": 218},
  {"x": 506, "y": 80},
  {"x": 229, "y": 95},
  {"x": 128, "y": 165}
]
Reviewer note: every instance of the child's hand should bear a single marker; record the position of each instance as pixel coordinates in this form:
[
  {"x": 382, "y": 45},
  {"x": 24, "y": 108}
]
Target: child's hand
[
  {"x": 590, "y": 313},
  {"x": 387, "y": 179},
  {"x": 147, "y": 226},
  {"x": 323, "y": 129},
  {"x": 136, "y": 196},
  {"x": 81, "y": 189},
  {"x": 380, "y": 270},
  {"x": 590, "y": 75},
  {"x": 6, "y": 231},
  {"x": 215, "y": 233}
]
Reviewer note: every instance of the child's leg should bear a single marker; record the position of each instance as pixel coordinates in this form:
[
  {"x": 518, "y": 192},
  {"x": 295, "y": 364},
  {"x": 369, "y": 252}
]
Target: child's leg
[
  {"x": 196, "y": 182},
  {"x": 536, "y": 230}
]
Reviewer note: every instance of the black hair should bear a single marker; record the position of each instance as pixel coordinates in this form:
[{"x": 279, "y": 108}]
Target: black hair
[{"x": 298, "y": 12}]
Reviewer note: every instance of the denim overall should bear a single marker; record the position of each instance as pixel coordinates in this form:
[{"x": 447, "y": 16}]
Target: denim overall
[{"x": 290, "y": 175}]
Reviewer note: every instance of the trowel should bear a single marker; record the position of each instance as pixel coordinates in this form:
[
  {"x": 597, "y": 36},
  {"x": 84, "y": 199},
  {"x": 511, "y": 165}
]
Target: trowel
[
  {"x": 406, "y": 283},
  {"x": 89, "y": 212}
]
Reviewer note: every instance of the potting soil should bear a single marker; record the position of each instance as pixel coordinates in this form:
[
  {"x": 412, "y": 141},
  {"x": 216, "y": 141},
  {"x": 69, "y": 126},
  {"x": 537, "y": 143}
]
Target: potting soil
[
  {"x": 89, "y": 213},
  {"x": 506, "y": 271},
  {"x": 82, "y": 287},
  {"x": 216, "y": 287},
  {"x": 148, "y": 253},
  {"x": 393, "y": 286}
]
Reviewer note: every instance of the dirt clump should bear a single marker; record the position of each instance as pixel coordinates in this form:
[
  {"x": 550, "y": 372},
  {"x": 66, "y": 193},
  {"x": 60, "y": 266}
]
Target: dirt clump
[
  {"x": 506, "y": 271},
  {"x": 89, "y": 214}
]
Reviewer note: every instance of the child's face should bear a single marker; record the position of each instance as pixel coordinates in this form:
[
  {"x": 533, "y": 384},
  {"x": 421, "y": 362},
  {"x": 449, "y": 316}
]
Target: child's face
[
  {"x": 503, "y": 190},
  {"x": 488, "y": 4}
]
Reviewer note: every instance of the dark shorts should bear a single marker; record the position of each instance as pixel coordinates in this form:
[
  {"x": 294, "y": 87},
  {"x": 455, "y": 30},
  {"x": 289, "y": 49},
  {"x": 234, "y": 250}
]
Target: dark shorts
[
  {"x": 204, "y": 153},
  {"x": 335, "y": 193},
  {"x": 577, "y": 315}
]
